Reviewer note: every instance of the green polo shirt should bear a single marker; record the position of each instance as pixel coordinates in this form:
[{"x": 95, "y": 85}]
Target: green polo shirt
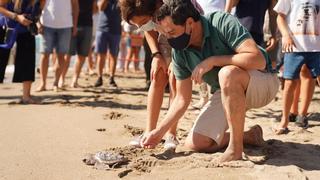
[{"x": 222, "y": 35}]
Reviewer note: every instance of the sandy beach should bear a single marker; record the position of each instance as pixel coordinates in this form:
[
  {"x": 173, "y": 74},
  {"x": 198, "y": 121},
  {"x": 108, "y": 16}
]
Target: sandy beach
[{"x": 49, "y": 141}]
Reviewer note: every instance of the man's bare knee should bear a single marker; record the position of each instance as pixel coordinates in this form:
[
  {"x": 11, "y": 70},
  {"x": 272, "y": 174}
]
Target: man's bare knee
[
  {"x": 233, "y": 76},
  {"x": 200, "y": 143}
]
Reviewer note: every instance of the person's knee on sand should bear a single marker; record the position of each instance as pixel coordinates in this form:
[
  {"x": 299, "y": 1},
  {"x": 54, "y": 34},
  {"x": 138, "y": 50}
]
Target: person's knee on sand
[{"x": 200, "y": 143}]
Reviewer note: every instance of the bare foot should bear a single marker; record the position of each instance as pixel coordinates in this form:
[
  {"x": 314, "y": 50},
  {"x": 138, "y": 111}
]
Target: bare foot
[
  {"x": 254, "y": 136},
  {"x": 41, "y": 88},
  {"x": 55, "y": 88},
  {"x": 74, "y": 85},
  {"x": 61, "y": 84},
  {"x": 230, "y": 155}
]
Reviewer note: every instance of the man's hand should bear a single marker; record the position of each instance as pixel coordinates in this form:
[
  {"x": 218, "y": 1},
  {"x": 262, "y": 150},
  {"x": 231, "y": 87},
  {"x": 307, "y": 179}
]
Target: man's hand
[
  {"x": 200, "y": 70},
  {"x": 271, "y": 44},
  {"x": 287, "y": 44},
  {"x": 158, "y": 62},
  {"x": 152, "y": 139}
]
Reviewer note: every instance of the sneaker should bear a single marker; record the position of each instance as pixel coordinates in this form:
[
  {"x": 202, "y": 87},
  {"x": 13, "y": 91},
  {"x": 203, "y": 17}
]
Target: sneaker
[
  {"x": 302, "y": 121},
  {"x": 99, "y": 82},
  {"x": 136, "y": 141},
  {"x": 171, "y": 142},
  {"x": 112, "y": 83}
]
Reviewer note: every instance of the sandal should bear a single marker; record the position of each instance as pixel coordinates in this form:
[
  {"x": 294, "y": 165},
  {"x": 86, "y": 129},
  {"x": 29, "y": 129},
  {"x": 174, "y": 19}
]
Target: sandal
[{"x": 279, "y": 131}]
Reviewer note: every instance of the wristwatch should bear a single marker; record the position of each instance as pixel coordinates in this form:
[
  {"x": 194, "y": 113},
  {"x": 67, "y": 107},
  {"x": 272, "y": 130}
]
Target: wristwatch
[{"x": 154, "y": 54}]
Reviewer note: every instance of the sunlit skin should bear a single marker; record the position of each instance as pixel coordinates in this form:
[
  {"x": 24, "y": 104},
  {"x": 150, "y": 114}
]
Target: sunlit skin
[{"x": 160, "y": 76}]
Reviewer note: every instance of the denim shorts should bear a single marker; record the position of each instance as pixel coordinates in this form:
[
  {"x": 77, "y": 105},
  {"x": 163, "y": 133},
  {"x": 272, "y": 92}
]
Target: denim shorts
[
  {"x": 55, "y": 38},
  {"x": 294, "y": 61},
  {"x": 81, "y": 43},
  {"x": 106, "y": 41}
]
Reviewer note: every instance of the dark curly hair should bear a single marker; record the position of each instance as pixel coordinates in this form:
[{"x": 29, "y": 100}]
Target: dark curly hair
[{"x": 178, "y": 10}]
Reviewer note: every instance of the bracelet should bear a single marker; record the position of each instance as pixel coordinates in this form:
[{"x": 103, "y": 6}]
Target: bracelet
[{"x": 154, "y": 54}]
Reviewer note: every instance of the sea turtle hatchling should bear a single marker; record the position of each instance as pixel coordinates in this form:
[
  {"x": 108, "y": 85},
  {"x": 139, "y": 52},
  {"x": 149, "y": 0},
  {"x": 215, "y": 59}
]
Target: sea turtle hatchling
[{"x": 105, "y": 160}]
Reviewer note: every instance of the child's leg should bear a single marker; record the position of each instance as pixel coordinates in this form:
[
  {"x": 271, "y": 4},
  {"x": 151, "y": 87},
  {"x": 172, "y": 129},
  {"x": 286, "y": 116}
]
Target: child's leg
[
  {"x": 135, "y": 58},
  {"x": 307, "y": 89}
]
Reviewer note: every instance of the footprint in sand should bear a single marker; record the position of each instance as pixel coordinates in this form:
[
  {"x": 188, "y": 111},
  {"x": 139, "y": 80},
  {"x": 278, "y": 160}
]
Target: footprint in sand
[
  {"x": 114, "y": 116},
  {"x": 134, "y": 131}
]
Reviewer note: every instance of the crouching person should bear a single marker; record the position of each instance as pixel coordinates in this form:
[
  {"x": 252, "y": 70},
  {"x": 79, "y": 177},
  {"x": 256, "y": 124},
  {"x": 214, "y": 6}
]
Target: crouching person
[{"x": 216, "y": 49}]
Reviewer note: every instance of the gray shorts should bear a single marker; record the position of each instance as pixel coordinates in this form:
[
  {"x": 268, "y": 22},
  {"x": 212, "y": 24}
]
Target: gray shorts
[
  {"x": 261, "y": 90},
  {"x": 81, "y": 43},
  {"x": 55, "y": 38}
]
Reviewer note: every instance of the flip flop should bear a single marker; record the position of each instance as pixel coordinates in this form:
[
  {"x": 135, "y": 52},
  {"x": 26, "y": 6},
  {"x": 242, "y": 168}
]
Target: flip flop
[{"x": 279, "y": 131}]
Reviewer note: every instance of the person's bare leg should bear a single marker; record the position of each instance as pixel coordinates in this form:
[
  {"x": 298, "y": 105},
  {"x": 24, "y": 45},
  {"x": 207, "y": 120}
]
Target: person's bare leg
[
  {"x": 58, "y": 70},
  {"x": 64, "y": 71},
  {"x": 296, "y": 97},
  {"x": 201, "y": 143},
  {"x": 101, "y": 57},
  {"x": 307, "y": 89},
  {"x": 135, "y": 58},
  {"x": 128, "y": 59},
  {"x": 234, "y": 82},
  {"x": 288, "y": 91},
  {"x": 112, "y": 64},
  {"x": 155, "y": 99},
  {"x": 77, "y": 70},
  {"x": 44, "y": 64},
  {"x": 172, "y": 84},
  {"x": 90, "y": 62}
]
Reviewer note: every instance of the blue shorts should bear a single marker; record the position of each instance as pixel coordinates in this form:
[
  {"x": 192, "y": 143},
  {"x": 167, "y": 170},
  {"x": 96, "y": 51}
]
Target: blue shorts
[
  {"x": 106, "y": 41},
  {"x": 294, "y": 61},
  {"x": 54, "y": 38},
  {"x": 81, "y": 43}
]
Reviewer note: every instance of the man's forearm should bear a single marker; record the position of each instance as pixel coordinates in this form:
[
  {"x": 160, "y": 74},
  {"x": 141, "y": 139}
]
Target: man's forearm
[{"x": 245, "y": 61}]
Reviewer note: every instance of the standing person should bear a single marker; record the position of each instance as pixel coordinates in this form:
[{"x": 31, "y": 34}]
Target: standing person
[
  {"x": 251, "y": 14},
  {"x": 58, "y": 23},
  {"x": 208, "y": 7},
  {"x": 133, "y": 42},
  {"x": 108, "y": 38},
  {"x": 299, "y": 24},
  {"x": 81, "y": 43},
  {"x": 24, "y": 71},
  {"x": 216, "y": 49}
]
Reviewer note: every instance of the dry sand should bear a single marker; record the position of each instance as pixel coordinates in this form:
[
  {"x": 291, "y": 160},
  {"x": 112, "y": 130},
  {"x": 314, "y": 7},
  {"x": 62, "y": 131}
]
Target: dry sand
[{"x": 49, "y": 141}]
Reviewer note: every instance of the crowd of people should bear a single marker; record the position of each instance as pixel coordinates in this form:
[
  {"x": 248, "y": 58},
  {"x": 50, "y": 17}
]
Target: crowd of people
[{"x": 235, "y": 50}]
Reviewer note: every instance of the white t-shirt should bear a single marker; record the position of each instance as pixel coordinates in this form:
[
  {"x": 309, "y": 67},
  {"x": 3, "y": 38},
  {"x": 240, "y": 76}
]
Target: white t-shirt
[
  {"x": 303, "y": 18},
  {"x": 57, "y": 14},
  {"x": 210, "y": 6}
]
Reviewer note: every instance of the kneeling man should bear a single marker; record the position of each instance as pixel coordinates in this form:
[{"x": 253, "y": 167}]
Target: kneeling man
[{"x": 216, "y": 49}]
